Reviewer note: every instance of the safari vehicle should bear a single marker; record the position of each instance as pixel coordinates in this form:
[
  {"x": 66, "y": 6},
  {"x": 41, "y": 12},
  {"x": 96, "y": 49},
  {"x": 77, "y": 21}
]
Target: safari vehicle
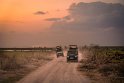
[
  {"x": 73, "y": 48},
  {"x": 59, "y": 51},
  {"x": 72, "y": 53}
]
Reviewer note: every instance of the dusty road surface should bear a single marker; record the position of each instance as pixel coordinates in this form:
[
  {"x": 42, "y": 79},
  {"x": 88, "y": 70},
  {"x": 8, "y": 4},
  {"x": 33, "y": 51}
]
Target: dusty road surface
[{"x": 56, "y": 71}]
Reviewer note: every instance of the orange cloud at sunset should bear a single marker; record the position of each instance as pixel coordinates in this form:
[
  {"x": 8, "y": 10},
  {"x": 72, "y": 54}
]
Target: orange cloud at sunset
[{"x": 21, "y": 13}]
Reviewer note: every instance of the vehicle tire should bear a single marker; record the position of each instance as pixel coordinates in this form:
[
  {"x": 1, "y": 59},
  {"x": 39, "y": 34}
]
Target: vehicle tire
[
  {"x": 63, "y": 55},
  {"x": 67, "y": 60},
  {"x": 77, "y": 60}
]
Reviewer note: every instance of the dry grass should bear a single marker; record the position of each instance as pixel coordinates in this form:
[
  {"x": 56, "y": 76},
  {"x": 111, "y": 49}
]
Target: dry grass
[
  {"x": 108, "y": 68},
  {"x": 15, "y": 64}
]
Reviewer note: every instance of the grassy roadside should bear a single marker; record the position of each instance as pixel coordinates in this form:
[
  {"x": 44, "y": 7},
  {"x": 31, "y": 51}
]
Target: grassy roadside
[
  {"x": 14, "y": 64},
  {"x": 105, "y": 65}
]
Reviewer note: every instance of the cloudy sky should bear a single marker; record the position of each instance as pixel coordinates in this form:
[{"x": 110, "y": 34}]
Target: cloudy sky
[{"x": 26, "y": 23}]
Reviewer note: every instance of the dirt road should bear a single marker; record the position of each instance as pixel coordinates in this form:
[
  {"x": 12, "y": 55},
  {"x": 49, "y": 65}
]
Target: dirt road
[{"x": 56, "y": 71}]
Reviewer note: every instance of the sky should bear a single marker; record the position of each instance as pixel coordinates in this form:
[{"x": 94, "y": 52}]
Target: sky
[{"x": 27, "y": 23}]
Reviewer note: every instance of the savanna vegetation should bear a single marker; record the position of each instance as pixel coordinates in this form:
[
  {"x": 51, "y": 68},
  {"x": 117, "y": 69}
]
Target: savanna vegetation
[
  {"x": 16, "y": 64},
  {"x": 105, "y": 64}
]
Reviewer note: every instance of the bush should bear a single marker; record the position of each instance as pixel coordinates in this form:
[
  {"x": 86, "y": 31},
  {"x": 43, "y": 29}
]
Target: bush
[
  {"x": 120, "y": 69},
  {"x": 106, "y": 69}
]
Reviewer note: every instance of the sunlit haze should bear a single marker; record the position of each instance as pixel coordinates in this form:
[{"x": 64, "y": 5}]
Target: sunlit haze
[{"x": 27, "y": 23}]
